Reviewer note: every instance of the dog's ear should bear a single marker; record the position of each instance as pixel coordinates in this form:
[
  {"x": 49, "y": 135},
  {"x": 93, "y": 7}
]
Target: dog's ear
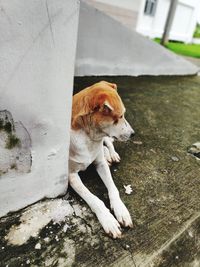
[
  {"x": 106, "y": 108},
  {"x": 102, "y": 104},
  {"x": 112, "y": 85},
  {"x": 87, "y": 105},
  {"x": 80, "y": 108}
]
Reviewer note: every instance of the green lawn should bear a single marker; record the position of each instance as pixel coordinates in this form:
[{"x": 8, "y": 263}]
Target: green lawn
[{"x": 190, "y": 50}]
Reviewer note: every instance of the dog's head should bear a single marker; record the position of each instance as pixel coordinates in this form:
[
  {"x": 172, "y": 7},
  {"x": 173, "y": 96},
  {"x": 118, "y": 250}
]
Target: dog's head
[{"x": 100, "y": 108}]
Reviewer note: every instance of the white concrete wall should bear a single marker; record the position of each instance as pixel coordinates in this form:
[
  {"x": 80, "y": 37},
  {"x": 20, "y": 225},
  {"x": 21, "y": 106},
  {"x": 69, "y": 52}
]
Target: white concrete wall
[
  {"x": 37, "y": 53},
  {"x": 183, "y": 25}
]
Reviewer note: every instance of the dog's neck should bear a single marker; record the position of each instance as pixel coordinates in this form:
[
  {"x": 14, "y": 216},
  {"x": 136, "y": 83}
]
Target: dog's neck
[{"x": 94, "y": 133}]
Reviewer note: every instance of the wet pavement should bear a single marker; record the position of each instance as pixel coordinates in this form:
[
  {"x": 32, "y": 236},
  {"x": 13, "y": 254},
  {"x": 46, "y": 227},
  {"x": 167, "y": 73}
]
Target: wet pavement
[{"x": 165, "y": 178}]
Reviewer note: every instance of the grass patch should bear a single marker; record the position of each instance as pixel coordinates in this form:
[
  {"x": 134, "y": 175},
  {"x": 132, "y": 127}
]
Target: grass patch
[
  {"x": 13, "y": 166},
  {"x": 6, "y": 126},
  {"x": 12, "y": 139},
  {"x": 190, "y": 50}
]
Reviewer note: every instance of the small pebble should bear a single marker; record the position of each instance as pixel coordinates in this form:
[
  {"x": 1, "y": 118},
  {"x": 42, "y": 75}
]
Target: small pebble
[
  {"x": 46, "y": 239},
  {"x": 174, "y": 158},
  {"x": 190, "y": 234},
  {"x": 38, "y": 246},
  {"x": 66, "y": 226}
]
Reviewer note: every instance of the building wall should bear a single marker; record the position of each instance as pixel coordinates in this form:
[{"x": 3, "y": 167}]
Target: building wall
[
  {"x": 37, "y": 53},
  {"x": 183, "y": 25}
]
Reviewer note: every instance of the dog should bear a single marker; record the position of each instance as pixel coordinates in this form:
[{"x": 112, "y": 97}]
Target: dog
[{"x": 97, "y": 120}]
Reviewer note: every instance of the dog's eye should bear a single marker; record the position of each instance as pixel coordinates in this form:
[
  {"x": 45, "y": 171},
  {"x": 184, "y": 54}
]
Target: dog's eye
[{"x": 121, "y": 117}]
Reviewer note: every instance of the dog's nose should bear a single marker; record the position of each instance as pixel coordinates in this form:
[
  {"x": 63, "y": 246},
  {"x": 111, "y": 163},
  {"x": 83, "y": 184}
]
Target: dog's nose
[{"x": 132, "y": 133}]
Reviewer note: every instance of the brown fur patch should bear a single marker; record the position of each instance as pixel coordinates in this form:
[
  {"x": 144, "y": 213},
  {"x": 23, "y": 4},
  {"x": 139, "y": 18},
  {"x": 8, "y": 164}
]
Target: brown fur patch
[{"x": 90, "y": 101}]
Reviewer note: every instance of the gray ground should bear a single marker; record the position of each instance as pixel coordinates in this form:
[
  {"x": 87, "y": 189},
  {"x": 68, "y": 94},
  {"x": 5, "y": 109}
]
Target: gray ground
[{"x": 164, "y": 204}]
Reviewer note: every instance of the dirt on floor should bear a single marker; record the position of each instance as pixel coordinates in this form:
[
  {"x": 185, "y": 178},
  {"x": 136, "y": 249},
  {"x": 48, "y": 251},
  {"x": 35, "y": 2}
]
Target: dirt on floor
[{"x": 165, "y": 178}]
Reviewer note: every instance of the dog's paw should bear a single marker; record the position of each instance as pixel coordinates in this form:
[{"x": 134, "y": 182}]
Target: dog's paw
[
  {"x": 110, "y": 224},
  {"x": 115, "y": 156},
  {"x": 121, "y": 213},
  {"x": 111, "y": 156}
]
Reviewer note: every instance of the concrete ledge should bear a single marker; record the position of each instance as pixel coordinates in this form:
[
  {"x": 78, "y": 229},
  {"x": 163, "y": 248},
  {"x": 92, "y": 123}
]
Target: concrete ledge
[
  {"x": 128, "y": 17},
  {"x": 106, "y": 47}
]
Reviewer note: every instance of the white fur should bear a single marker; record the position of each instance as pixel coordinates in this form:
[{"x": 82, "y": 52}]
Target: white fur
[
  {"x": 109, "y": 151},
  {"x": 120, "y": 130},
  {"x": 87, "y": 148}
]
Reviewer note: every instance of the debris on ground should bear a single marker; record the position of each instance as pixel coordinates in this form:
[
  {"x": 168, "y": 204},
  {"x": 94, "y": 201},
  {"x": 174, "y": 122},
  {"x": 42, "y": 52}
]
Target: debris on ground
[
  {"x": 128, "y": 189},
  {"x": 137, "y": 142},
  {"x": 38, "y": 246},
  {"x": 174, "y": 158}
]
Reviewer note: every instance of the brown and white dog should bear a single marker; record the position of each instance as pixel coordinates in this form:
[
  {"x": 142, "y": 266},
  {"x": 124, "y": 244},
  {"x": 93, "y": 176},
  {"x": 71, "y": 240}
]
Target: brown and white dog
[{"x": 97, "y": 117}]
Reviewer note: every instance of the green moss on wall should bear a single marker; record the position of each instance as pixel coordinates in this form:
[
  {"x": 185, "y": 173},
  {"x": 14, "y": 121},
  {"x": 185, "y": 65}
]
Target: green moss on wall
[{"x": 12, "y": 141}]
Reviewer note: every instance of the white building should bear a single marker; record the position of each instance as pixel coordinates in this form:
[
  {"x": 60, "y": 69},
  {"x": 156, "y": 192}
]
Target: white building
[{"x": 148, "y": 17}]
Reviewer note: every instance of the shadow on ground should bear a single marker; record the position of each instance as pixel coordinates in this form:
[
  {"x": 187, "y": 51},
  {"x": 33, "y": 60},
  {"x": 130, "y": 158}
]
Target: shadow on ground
[{"x": 164, "y": 204}]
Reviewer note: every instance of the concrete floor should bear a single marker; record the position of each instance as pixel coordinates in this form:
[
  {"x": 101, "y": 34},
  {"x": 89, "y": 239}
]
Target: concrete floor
[{"x": 164, "y": 204}]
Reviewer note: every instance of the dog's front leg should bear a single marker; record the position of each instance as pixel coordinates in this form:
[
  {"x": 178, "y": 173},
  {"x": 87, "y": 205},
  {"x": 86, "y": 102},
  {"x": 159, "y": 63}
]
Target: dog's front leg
[
  {"x": 107, "y": 220},
  {"x": 108, "y": 141},
  {"x": 116, "y": 203}
]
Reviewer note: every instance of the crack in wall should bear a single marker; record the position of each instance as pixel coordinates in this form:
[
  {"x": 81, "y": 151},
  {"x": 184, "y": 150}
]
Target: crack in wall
[{"x": 50, "y": 22}]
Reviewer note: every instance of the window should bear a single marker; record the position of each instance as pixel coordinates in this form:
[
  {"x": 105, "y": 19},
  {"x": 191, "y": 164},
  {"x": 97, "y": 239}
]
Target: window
[{"x": 150, "y": 7}]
